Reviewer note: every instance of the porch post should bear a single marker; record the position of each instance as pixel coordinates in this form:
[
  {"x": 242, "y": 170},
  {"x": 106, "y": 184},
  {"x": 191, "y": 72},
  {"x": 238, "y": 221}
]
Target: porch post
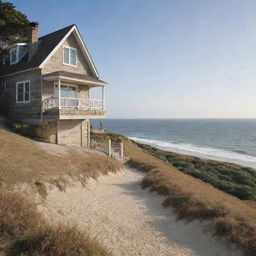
[
  {"x": 103, "y": 97},
  {"x": 59, "y": 91}
]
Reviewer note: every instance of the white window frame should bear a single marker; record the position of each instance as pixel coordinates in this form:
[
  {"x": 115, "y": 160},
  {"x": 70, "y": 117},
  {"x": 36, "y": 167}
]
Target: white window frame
[
  {"x": 17, "y": 55},
  {"x": 69, "y": 53},
  {"x": 24, "y": 88}
]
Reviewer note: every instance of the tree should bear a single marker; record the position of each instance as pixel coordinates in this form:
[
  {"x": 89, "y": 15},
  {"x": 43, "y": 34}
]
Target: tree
[{"x": 13, "y": 26}]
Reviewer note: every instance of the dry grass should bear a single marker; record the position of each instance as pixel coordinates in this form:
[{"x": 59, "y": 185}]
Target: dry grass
[
  {"x": 192, "y": 198},
  {"x": 24, "y": 161},
  {"x": 23, "y": 231}
]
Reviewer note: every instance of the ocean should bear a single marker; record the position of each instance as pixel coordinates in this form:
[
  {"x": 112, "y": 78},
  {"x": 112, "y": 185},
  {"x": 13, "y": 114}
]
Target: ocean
[{"x": 231, "y": 140}]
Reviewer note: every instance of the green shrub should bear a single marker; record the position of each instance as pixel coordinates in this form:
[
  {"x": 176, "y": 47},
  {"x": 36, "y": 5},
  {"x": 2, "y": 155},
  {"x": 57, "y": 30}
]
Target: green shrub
[{"x": 231, "y": 178}]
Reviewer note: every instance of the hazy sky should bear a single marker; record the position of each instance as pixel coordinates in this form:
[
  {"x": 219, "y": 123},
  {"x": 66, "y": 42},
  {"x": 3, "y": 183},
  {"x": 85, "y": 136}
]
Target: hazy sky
[{"x": 164, "y": 58}]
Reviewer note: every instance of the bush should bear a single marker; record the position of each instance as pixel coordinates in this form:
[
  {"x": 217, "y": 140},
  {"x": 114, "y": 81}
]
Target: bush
[
  {"x": 45, "y": 131},
  {"x": 42, "y": 132},
  {"x": 231, "y": 178}
]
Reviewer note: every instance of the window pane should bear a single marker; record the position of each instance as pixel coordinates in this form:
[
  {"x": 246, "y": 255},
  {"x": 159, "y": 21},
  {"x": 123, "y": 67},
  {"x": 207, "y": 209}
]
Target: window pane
[
  {"x": 27, "y": 87},
  {"x": 20, "y": 92},
  {"x": 73, "y": 57},
  {"x": 13, "y": 56},
  {"x": 27, "y": 91},
  {"x": 63, "y": 92},
  {"x": 26, "y": 96},
  {"x": 72, "y": 92},
  {"x": 66, "y": 55}
]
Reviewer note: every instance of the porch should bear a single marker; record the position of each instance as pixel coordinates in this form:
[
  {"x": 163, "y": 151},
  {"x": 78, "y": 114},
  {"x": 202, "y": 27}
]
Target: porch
[{"x": 67, "y": 96}]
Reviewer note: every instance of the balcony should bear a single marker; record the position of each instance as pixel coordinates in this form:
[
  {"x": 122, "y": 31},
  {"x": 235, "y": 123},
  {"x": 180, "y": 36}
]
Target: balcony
[{"x": 72, "y": 108}]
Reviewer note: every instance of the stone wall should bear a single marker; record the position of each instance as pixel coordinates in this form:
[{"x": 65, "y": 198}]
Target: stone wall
[{"x": 73, "y": 133}]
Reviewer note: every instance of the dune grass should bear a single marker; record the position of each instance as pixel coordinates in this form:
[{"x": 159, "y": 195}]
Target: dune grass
[
  {"x": 231, "y": 178},
  {"x": 23, "y": 231},
  {"x": 24, "y": 161},
  {"x": 191, "y": 198}
]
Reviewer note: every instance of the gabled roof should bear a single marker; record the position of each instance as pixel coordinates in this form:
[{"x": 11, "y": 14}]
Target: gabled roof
[{"x": 47, "y": 46}]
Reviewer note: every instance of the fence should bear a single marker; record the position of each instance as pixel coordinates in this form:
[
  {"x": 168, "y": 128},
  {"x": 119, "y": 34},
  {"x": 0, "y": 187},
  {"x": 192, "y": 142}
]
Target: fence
[{"x": 109, "y": 147}]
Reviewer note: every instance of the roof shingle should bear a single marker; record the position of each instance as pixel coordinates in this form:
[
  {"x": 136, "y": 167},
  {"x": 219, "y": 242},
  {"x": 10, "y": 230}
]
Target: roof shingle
[{"x": 45, "y": 46}]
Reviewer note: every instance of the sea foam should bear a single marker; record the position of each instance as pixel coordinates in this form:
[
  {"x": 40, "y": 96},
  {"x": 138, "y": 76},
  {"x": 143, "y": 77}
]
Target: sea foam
[{"x": 206, "y": 152}]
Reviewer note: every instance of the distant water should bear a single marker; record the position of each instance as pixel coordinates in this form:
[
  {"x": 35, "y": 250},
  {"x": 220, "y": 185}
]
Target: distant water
[{"x": 232, "y": 140}]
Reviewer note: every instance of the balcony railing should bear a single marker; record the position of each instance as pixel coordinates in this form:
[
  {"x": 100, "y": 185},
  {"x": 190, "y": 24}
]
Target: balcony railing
[{"x": 79, "y": 103}]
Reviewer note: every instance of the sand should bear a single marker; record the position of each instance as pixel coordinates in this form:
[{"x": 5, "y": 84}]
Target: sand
[{"x": 128, "y": 220}]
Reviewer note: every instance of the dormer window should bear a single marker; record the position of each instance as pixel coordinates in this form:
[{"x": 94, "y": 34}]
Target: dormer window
[
  {"x": 69, "y": 56},
  {"x": 17, "y": 52},
  {"x": 13, "y": 56}
]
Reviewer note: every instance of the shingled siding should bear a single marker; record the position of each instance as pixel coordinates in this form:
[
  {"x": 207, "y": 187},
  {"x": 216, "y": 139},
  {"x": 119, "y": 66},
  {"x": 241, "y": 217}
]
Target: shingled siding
[
  {"x": 25, "y": 111},
  {"x": 55, "y": 63}
]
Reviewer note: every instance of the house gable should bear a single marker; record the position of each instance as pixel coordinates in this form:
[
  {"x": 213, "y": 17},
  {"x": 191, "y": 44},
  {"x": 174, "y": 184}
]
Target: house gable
[{"x": 54, "y": 61}]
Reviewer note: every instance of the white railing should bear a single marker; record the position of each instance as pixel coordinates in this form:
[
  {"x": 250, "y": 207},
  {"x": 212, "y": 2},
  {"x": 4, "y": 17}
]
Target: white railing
[{"x": 79, "y": 103}]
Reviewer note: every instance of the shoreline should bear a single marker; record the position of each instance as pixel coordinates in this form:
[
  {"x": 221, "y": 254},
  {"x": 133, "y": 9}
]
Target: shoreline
[{"x": 169, "y": 148}]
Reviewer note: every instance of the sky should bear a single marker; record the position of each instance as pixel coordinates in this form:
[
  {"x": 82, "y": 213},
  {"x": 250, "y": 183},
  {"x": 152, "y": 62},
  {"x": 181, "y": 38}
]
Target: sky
[{"x": 164, "y": 58}]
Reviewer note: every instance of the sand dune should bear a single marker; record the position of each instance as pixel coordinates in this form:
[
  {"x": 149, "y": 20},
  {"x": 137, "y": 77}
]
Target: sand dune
[{"x": 130, "y": 221}]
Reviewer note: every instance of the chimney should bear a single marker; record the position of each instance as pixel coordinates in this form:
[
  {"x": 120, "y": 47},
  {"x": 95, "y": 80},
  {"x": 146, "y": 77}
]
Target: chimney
[{"x": 33, "y": 39}]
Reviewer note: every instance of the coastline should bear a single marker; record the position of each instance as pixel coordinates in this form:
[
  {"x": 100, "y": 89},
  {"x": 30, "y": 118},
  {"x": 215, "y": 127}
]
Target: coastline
[{"x": 206, "y": 152}]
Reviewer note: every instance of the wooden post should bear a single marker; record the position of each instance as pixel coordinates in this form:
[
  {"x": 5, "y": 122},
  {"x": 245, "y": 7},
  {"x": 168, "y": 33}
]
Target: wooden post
[
  {"x": 121, "y": 149},
  {"x": 109, "y": 147},
  {"x": 59, "y": 93}
]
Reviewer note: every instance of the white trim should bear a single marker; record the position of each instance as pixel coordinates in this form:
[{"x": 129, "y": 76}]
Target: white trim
[
  {"x": 24, "y": 88},
  {"x": 85, "y": 51},
  {"x": 51, "y": 78},
  {"x": 17, "y": 49},
  {"x": 14, "y": 45},
  {"x": 69, "y": 53},
  {"x": 57, "y": 47},
  {"x": 82, "y": 116}
]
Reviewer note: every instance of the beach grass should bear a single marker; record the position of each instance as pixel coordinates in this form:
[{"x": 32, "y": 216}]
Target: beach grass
[
  {"x": 239, "y": 181},
  {"x": 24, "y": 161},
  {"x": 23, "y": 231},
  {"x": 191, "y": 198}
]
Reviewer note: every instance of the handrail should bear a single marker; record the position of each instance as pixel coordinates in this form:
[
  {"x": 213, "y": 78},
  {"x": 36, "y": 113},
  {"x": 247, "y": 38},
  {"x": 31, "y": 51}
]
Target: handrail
[{"x": 71, "y": 102}]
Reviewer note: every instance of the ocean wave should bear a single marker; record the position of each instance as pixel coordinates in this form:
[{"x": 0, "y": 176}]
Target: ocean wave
[{"x": 207, "y": 152}]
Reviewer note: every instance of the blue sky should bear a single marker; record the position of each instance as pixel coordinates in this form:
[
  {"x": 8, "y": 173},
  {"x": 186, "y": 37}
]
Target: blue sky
[{"x": 165, "y": 58}]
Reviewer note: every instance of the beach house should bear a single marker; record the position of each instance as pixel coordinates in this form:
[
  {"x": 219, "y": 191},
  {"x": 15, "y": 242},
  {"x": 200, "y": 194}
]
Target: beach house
[{"x": 48, "y": 80}]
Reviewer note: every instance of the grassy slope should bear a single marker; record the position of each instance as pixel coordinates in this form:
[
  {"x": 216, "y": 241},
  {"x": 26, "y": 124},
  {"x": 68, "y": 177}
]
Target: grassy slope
[
  {"x": 234, "y": 179},
  {"x": 22, "y": 160},
  {"x": 192, "y": 198},
  {"x": 22, "y": 229}
]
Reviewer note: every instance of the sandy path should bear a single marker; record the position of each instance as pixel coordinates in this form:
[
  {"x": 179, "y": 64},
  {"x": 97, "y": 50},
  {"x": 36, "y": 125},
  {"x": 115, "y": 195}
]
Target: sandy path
[{"x": 128, "y": 220}]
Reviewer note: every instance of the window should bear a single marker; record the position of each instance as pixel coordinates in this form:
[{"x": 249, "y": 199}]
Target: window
[
  {"x": 23, "y": 92},
  {"x": 13, "y": 56},
  {"x": 69, "y": 56},
  {"x": 67, "y": 91}
]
